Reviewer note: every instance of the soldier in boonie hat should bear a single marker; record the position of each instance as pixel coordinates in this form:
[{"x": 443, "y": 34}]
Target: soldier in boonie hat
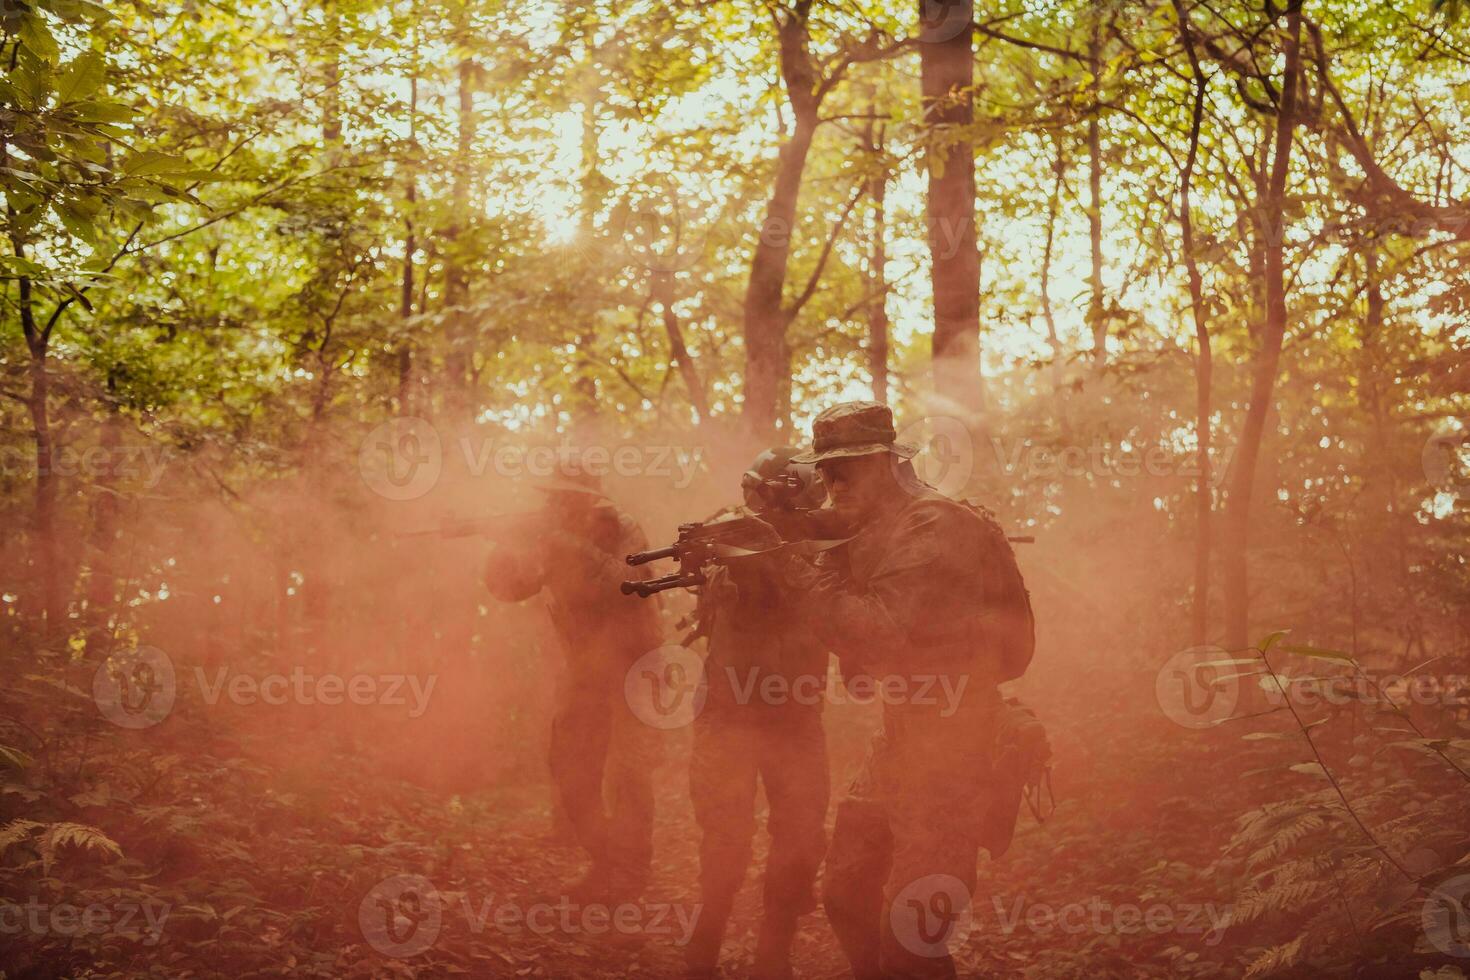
[{"x": 854, "y": 429}]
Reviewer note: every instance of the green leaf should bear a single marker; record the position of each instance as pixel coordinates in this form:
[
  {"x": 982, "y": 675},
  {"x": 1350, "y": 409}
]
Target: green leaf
[
  {"x": 1271, "y": 640},
  {"x": 14, "y": 758},
  {"x": 1333, "y": 655},
  {"x": 36, "y": 38},
  {"x": 94, "y": 111},
  {"x": 151, "y": 162},
  {"x": 81, "y": 77}
]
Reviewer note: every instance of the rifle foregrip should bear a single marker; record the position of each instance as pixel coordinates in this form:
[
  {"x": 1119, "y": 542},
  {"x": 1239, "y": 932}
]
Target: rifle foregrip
[{"x": 644, "y": 557}]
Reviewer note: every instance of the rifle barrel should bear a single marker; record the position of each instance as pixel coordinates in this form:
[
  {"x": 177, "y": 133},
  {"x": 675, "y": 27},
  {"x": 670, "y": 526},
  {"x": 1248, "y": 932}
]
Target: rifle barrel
[{"x": 644, "y": 557}]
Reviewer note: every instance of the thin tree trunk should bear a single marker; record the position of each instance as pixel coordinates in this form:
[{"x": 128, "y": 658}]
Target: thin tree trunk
[
  {"x": 456, "y": 283},
  {"x": 946, "y": 66},
  {"x": 878, "y": 324},
  {"x": 1204, "y": 357},
  {"x": 102, "y": 574},
  {"x": 405, "y": 302},
  {"x": 1097, "y": 318},
  {"x": 663, "y": 294},
  {"x": 46, "y": 552},
  {"x": 1053, "y": 339},
  {"x": 585, "y": 387},
  {"x": 1236, "y": 580},
  {"x": 767, "y": 356}
]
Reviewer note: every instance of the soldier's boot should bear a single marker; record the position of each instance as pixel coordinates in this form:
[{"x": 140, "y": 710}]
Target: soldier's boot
[
  {"x": 773, "y": 948},
  {"x": 595, "y": 887}
]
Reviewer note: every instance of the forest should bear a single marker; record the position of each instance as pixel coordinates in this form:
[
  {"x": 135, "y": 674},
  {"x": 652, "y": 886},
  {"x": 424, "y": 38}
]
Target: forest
[{"x": 300, "y": 299}]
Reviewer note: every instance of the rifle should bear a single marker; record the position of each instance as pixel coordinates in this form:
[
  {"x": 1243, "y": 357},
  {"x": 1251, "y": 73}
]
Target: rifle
[
  {"x": 706, "y": 543},
  {"x": 699, "y": 545}
]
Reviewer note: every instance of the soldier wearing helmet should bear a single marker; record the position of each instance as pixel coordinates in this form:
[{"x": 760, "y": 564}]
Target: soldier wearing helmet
[{"x": 761, "y": 725}]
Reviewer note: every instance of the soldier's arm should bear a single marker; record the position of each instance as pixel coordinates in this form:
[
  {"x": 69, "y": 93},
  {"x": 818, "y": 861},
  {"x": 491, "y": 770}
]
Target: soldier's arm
[
  {"x": 512, "y": 574},
  {"x": 596, "y": 560},
  {"x": 911, "y": 595}
]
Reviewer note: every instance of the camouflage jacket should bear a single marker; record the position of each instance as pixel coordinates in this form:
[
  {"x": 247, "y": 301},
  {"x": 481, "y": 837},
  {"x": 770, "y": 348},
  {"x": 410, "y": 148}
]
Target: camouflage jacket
[
  {"x": 602, "y": 629},
  {"x": 901, "y": 605},
  {"x": 764, "y": 663}
]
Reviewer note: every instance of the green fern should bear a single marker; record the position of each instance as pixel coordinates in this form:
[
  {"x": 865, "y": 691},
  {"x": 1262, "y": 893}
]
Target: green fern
[{"x": 49, "y": 838}]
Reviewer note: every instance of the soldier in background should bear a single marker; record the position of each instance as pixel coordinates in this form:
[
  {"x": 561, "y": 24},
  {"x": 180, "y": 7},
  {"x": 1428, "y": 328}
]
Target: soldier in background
[
  {"x": 747, "y": 735},
  {"x": 927, "y": 595},
  {"x": 575, "y": 553}
]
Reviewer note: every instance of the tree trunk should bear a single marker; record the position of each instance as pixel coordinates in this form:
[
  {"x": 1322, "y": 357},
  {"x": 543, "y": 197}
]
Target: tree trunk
[
  {"x": 1097, "y": 317},
  {"x": 456, "y": 283},
  {"x": 767, "y": 356},
  {"x": 46, "y": 552},
  {"x": 405, "y": 300},
  {"x": 102, "y": 573},
  {"x": 1204, "y": 356},
  {"x": 585, "y": 404},
  {"x": 1054, "y": 341},
  {"x": 947, "y": 81},
  {"x": 663, "y": 294},
  {"x": 1236, "y": 580},
  {"x": 877, "y": 285}
]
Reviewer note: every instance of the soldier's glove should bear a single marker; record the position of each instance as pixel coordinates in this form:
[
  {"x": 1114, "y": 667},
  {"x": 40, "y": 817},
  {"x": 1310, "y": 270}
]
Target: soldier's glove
[{"x": 799, "y": 575}]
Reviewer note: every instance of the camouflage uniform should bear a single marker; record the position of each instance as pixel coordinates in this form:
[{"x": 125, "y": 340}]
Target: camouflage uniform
[
  {"x": 743, "y": 737},
  {"x": 595, "y": 737},
  {"x": 899, "y": 601}
]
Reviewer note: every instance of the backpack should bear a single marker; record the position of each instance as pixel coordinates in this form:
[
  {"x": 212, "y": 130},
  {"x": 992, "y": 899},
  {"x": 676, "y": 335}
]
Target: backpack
[
  {"x": 1020, "y": 769},
  {"x": 1009, "y": 627}
]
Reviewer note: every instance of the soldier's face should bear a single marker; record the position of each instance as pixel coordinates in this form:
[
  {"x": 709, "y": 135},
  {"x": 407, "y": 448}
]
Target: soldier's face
[{"x": 857, "y": 483}]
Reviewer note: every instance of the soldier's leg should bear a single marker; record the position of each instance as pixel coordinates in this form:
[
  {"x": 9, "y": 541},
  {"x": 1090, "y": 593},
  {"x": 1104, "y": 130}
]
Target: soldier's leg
[
  {"x": 927, "y": 899},
  {"x": 636, "y": 753},
  {"x": 722, "y": 783},
  {"x": 793, "y": 765},
  {"x": 858, "y": 863},
  {"x": 580, "y": 733}
]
